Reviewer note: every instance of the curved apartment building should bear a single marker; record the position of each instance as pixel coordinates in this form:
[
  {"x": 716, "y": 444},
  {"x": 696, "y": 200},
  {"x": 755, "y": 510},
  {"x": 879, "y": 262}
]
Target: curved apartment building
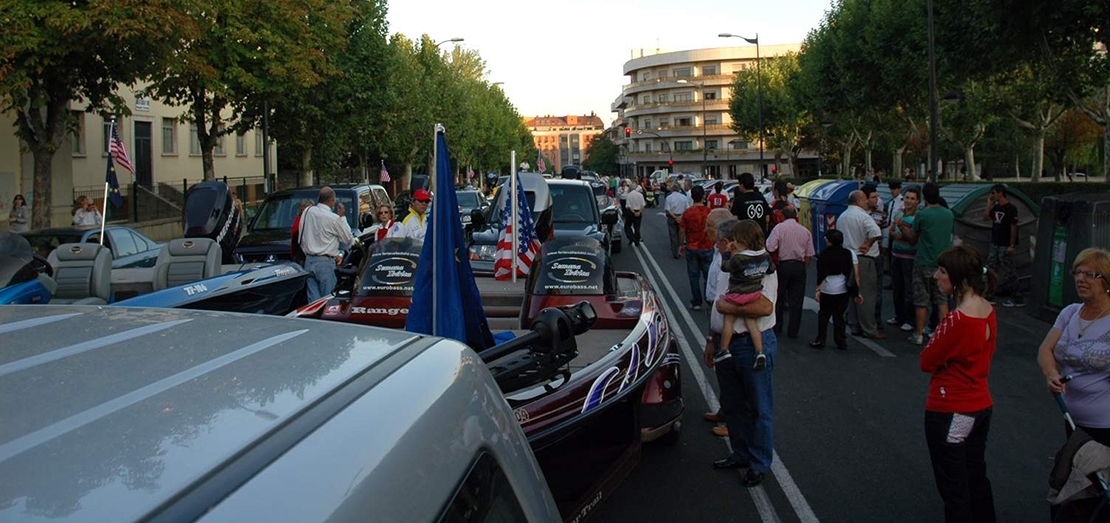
[{"x": 676, "y": 106}]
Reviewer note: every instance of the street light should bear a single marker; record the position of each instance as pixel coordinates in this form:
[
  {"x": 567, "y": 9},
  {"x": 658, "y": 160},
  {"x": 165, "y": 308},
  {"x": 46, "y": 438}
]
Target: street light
[
  {"x": 759, "y": 88},
  {"x": 456, "y": 40},
  {"x": 704, "y": 150}
]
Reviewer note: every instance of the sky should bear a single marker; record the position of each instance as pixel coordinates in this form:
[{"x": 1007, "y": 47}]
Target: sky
[{"x": 566, "y": 57}]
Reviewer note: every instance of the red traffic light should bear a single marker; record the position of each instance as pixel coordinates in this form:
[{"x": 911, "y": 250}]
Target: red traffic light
[
  {"x": 627, "y": 132},
  {"x": 670, "y": 163}
]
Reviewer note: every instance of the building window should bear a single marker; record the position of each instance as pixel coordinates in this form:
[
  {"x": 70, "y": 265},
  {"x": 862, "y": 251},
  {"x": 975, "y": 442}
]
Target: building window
[
  {"x": 258, "y": 142},
  {"x": 664, "y": 122},
  {"x": 240, "y": 144},
  {"x": 647, "y": 123},
  {"x": 645, "y": 76},
  {"x": 708, "y": 69},
  {"x": 194, "y": 140},
  {"x": 684, "y": 145},
  {"x": 711, "y": 95},
  {"x": 681, "y": 72},
  {"x": 738, "y": 145},
  {"x": 711, "y": 145},
  {"x": 647, "y": 147},
  {"x": 647, "y": 99},
  {"x": 684, "y": 97},
  {"x": 711, "y": 119},
  {"x": 78, "y": 135},
  {"x": 663, "y": 98},
  {"x": 683, "y": 122},
  {"x": 169, "y": 136}
]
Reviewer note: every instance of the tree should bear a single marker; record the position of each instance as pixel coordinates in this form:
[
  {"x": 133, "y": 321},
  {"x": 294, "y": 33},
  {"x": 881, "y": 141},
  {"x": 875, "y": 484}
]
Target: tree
[
  {"x": 53, "y": 52},
  {"x": 244, "y": 53},
  {"x": 602, "y": 156},
  {"x": 784, "y": 116},
  {"x": 1073, "y": 133}
]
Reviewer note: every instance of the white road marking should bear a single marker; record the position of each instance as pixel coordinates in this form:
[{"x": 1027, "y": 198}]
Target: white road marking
[
  {"x": 812, "y": 305},
  {"x": 759, "y": 494}
]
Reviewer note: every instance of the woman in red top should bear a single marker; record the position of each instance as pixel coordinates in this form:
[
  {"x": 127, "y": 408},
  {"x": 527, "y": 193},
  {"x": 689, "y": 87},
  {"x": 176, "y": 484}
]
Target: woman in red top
[{"x": 958, "y": 408}]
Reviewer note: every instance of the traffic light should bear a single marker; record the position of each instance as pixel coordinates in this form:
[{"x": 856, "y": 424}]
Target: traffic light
[
  {"x": 627, "y": 132},
  {"x": 670, "y": 163}
]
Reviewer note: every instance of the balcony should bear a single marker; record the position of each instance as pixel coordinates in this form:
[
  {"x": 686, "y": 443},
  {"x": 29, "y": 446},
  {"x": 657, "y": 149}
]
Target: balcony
[
  {"x": 674, "y": 107},
  {"x": 671, "y": 82}
]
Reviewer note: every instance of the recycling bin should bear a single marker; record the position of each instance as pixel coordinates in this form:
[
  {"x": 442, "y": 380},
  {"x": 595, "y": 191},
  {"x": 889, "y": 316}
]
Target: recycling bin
[
  {"x": 1068, "y": 224},
  {"x": 826, "y": 204},
  {"x": 803, "y": 193}
]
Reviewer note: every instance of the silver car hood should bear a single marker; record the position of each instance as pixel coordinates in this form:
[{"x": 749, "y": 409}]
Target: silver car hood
[{"x": 106, "y": 413}]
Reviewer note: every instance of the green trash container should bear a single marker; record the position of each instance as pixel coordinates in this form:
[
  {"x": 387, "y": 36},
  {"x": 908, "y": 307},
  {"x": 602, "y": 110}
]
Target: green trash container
[{"x": 1068, "y": 224}]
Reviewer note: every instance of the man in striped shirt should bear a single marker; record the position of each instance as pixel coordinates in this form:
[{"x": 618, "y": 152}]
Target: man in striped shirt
[{"x": 794, "y": 246}]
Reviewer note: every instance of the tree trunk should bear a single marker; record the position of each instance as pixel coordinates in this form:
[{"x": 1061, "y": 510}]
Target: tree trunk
[
  {"x": 405, "y": 183},
  {"x": 306, "y": 168},
  {"x": 43, "y": 189},
  {"x": 792, "y": 160},
  {"x": 896, "y": 170},
  {"x": 1017, "y": 163},
  {"x": 847, "y": 160},
  {"x": 969, "y": 160},
  {"x": 867, "y": 159},
  {"x": 1038, "y": 154}
]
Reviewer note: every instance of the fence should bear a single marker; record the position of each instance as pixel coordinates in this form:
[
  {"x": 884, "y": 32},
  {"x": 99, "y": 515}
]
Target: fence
[{"x": 167, "y": 200}]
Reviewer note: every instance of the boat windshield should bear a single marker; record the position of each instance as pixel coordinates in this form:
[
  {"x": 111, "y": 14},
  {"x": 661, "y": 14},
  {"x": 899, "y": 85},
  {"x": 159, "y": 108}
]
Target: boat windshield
[
  {"x": 278, "y": 211},
  {"x": 390, "y": 269},
  {"x": 571, "y": 205},
  {"x": 573, "y": 266},
  {"x": 15, "y": 257}
]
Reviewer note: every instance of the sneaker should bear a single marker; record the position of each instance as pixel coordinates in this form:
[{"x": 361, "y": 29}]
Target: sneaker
[
  {"x": 696, "y": 307},
  {"x": 906, "y": 327},
  {"x": 892, "y": 321},
  {"x": 915, "y": 339},
  {"x": 760, "y": 362},
  {"x": 1011, "y": 303},
  {"x": 928, "y": 332}
]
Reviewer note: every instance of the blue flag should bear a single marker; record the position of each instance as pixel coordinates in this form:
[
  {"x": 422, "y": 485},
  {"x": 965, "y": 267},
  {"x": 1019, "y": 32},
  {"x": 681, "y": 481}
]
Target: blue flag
[
  {"x": 113, "y": 185},
  {"x": 456, "y": 306}
]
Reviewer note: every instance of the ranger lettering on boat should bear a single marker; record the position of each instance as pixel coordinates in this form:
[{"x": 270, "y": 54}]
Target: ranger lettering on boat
[{"x": 372, "y": 310}]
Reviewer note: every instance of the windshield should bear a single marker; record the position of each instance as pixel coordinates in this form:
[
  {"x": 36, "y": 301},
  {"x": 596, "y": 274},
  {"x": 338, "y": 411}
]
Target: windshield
[
  {"x": 571, "y": 204},
  {"x": 15, "y": 254},
  {"x": 278, "y": 212},
  {"x": 468, "y": 200}
]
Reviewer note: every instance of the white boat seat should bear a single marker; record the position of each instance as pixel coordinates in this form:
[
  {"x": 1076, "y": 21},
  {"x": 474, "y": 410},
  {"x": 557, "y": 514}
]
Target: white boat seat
[
  {"x": 83, "y": 274},
  {"x": 186, "y": 260}
]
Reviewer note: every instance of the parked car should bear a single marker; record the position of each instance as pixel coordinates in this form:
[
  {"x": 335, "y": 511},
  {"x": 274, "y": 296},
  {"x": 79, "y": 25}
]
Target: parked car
[
  {"x": 130, "y": 249},
  {"x": 186, "y": 415},
  {"x": 267, "y": 237},
  {"x": 576, "y": 214},
  {"x": 469, "y": 201}
]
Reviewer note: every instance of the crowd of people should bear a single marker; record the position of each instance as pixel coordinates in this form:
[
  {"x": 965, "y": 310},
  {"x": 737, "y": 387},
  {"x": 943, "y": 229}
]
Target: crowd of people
[{"x": 942, "y": 293}]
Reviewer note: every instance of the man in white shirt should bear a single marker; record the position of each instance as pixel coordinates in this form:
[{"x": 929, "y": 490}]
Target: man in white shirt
[
  {"x": 415, "y": 224},
  {"x": 675, "y": 205},
  {"x": 634, "y": 202},
  {"x": 715, "y": 231},
  {"x": 862, "y": 235},
  {"x": 746, "y": 395},
  {"x": 320, "y": 234}
]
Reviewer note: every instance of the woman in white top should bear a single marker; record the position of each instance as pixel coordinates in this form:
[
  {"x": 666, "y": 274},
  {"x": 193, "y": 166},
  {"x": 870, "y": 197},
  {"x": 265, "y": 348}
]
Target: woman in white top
[
  {"x": 85, "y": 212},
  {"x": 835, "y": 265}
]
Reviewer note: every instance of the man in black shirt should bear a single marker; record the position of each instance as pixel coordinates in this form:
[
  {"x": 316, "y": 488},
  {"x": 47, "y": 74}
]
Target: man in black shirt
[
  {"x": 1004, "y": 239},
  {"x": 748, "y": 204}
]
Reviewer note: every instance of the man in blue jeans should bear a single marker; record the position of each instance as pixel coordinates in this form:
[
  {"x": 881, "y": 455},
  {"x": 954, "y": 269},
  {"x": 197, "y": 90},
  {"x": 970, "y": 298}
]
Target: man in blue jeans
[
  {"x": 746, "y": 394},
  {"x": 696, "y": 245}
]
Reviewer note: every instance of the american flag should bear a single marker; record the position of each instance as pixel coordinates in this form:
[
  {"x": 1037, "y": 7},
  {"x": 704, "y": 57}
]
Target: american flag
[
  {"x": 119, "y": 152},
  {"x": 540, "y": 164},
  {"x": 527, "y": 248},
  {"x": 384, "y": 173}
]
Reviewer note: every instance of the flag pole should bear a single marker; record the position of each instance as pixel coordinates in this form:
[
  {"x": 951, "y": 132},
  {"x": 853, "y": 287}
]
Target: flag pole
[
  {"x": 104, "y": 205},
  {"x": 516, "y": 221},
  {"x": 435, "y": 189}
]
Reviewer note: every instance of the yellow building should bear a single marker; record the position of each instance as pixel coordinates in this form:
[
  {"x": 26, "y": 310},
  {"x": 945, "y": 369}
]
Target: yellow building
[
  {"x": 563, "y": 140},
  {"x": 676, "y": 108},
  {"x": 163, "y": 150}
]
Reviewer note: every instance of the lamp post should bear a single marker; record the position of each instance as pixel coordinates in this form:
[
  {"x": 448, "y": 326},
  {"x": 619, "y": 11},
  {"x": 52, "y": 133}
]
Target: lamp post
[
  {"x": 932, "y": 99},
  {"x": 455, "y": 40},
  {"x": 728, "y": 157},
  {"x": 704, "y": 151},
  {"x": 759, "y": 88}
]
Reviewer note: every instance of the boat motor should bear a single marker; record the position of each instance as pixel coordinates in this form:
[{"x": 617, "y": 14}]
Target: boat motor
[
  {"x": 212, "y": 211},
  {"x": 543, "y": 353}
]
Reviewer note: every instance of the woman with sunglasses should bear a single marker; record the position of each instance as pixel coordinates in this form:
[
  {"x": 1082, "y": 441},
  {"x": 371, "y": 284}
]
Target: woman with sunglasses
[
  {"x": 1075, "y": 355},
  {"x": 19, "y": 217},
  {"x": 385, "y": 228}
]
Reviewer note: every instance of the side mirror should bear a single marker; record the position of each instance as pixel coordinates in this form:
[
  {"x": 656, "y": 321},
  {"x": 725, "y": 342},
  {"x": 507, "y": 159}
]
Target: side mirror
[
  {"x": 477, "y": 219},
  {"x": 609, "y": 217},
  {"x": 366, "y": 220}
]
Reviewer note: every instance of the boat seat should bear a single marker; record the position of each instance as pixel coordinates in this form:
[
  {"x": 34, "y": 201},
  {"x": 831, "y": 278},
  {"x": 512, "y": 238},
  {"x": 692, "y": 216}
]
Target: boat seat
[
  {"x": 186, "y": 260},
  {"x": 83, "y": 274}
]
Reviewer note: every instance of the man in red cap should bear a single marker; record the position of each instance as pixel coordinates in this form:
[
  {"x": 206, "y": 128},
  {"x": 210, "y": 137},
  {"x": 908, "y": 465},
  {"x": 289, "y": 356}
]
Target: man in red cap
[{"x": 415, "y": 225}]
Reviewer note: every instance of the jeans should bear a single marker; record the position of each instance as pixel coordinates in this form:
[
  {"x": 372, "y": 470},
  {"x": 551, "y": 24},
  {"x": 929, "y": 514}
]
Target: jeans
[
  {"x": 792, "y": 292},
  {"x": 697, "y": 267},
  {"x": 1003, "y": 264},
  {"x": 672, "y": 232},
  {"x": 747, "y": 401},
  {"x": 901, "y": 275},
  {"x": 321, "y": 276},
  {"x": 960, "y": 465},
  {"x": 832, "y": 306}
]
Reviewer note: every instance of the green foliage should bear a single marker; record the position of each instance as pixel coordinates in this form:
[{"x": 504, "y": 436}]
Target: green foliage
[
  {"x": 603, "y": 155},
  {"x": 784, "y": 115}
]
